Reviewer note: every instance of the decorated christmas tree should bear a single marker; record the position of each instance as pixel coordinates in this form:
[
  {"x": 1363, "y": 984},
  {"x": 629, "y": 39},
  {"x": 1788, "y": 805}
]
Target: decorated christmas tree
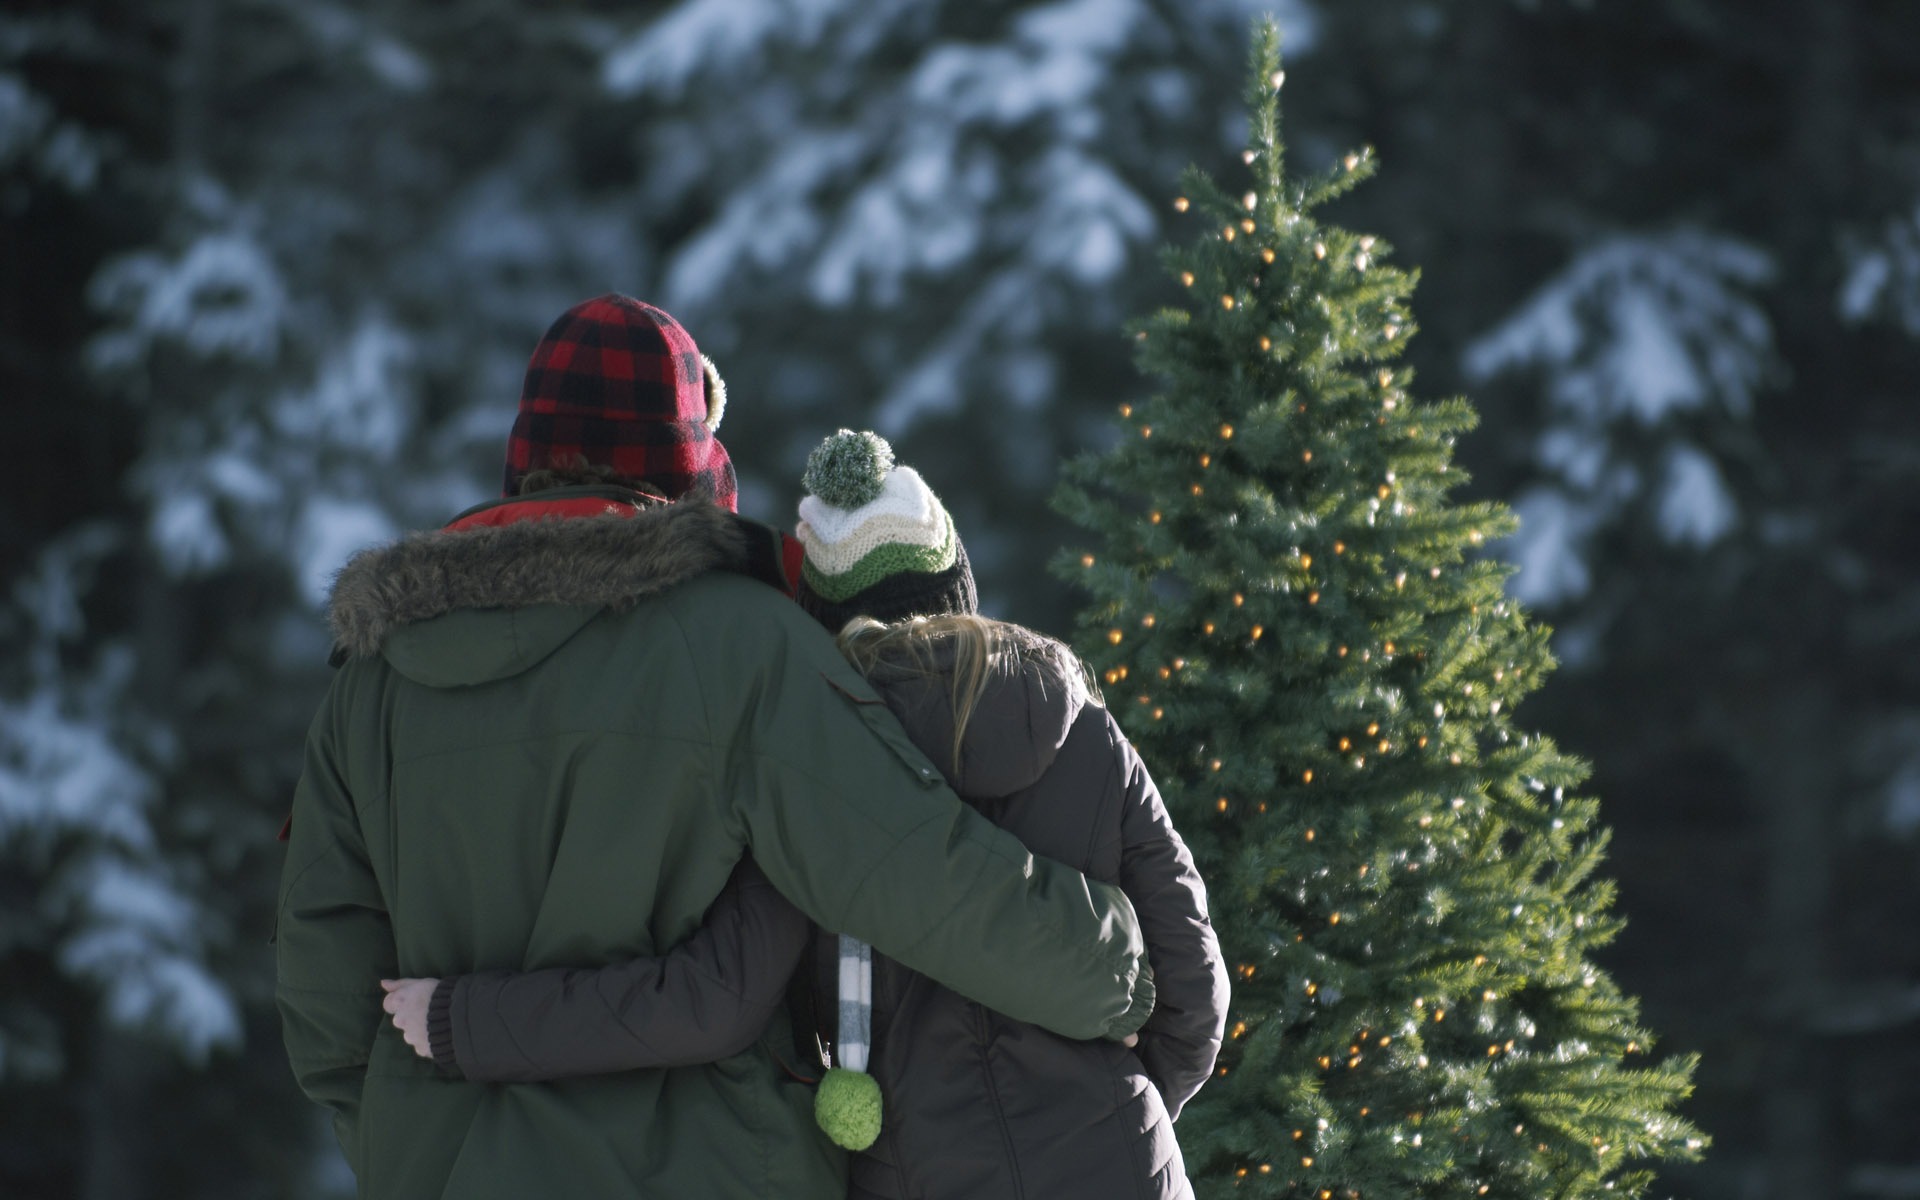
[{"x": 1303, "y": 636}]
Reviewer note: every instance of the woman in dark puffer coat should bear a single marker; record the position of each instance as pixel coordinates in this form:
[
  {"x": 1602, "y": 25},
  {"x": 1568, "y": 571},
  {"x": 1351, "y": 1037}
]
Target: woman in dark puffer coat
[
  {"x": 980, "y": 1105},
  {"x": 976, "y": 1106}
]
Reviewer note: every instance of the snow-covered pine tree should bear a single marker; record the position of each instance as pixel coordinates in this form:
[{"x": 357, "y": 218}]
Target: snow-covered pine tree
[
  {"x": 1651, "y": 349},
  {"x": 272, "y": 275},
  {"x": 928, "y": 218},
  {"x": 1297, "y": 627}
]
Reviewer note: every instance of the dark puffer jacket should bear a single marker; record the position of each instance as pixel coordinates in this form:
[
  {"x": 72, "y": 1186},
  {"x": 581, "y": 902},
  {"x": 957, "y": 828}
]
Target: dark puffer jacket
[{"x": 979, "y": 1105}]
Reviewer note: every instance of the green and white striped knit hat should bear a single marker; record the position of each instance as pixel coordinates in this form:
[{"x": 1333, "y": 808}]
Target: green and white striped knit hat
[{"x": 878, "y": 541}]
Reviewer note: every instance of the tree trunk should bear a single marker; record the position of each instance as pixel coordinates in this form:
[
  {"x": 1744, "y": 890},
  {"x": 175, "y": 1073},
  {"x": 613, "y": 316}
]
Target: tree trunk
[
  {"x": 1798, "y": 788},
  {"x": 1800, "y": 782}
]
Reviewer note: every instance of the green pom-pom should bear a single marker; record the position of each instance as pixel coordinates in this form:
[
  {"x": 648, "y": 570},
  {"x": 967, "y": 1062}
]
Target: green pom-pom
[
  {"x": 848, "y": 469},
  {"x": 847, "y": 1106}
]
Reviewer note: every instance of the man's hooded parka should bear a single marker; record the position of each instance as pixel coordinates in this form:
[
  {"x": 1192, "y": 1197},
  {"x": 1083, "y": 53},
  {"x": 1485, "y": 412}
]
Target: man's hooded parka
[{"x": 550, "y": 742}]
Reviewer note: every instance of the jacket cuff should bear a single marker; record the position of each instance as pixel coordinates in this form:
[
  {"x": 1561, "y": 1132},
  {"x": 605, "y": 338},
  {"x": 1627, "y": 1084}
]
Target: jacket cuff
[
  {"x": 440, "y": 1027},
  {"x": 1139, "y": 1007}
]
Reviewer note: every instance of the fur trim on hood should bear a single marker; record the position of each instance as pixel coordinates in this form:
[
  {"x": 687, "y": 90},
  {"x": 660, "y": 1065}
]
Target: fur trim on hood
[{"x": 610, "y": 561}]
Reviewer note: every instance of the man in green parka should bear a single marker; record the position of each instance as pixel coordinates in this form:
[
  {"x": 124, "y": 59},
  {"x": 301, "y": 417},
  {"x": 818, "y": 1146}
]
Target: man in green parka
[{"x": 557, "y": 726}]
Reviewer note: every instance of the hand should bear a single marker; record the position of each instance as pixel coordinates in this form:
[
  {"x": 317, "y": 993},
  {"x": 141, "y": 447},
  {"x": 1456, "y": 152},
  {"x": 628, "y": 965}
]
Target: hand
[
  {"x": 1130, "y": 1041},
  {"x": 407, "y": 1001}
]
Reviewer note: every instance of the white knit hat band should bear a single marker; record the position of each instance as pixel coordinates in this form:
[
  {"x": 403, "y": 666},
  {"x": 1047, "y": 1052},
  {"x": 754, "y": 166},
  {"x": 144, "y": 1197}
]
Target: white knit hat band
[
  {"x": 837, "y": 558},
  {"x": 904, "y": 495}
]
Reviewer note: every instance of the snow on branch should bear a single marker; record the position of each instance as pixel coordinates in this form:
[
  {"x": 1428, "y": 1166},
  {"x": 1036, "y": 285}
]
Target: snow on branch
[
  {"x": 702, "y": 36},
  {"x": 79, "y": 802},
  {"x": 1640, "y": 326},
  {"x": 1883, "y": 276},
  {"x": 33, "y": 135},
  {"x": 222, "y": 295},
  {"x": 1643, "y": 345}
]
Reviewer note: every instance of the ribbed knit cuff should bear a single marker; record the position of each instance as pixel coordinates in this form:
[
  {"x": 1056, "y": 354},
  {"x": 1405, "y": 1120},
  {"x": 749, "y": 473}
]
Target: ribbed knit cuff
[
  {"x": 440, "y": 1027},
  {"x": 1138, "y": 1010}
]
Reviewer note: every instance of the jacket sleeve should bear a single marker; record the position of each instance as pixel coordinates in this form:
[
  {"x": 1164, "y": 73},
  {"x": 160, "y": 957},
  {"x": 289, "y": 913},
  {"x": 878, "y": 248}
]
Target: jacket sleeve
[
  {"x": 1181, "y": 1040},
  {"x": 854, "y": 825},
  {"x": 333, "y": 940},
  {"x": 708, "y": 998}
]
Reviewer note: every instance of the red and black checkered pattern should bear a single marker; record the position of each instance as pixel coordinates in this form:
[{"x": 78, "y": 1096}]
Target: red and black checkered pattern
[{"x": 619, "y": 384}]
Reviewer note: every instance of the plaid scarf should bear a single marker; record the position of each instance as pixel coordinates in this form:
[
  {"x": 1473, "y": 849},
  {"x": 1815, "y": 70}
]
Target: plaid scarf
[{"x": 855, "y": 1035}]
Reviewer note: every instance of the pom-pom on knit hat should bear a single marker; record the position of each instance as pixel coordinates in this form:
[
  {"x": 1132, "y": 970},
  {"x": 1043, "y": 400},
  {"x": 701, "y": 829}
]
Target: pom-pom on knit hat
[
  {"x": 878, "y": 541},
  {"x": 620, "y": 384}
]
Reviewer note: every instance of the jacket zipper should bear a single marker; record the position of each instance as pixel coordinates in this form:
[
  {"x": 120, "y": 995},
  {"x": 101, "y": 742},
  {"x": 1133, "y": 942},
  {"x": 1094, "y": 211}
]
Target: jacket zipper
[{"x": 981, "y": 1022}]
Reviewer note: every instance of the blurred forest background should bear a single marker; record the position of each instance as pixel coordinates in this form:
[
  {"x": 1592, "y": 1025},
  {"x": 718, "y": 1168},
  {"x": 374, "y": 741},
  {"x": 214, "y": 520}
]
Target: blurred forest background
[{"x": 269, "y": 271}]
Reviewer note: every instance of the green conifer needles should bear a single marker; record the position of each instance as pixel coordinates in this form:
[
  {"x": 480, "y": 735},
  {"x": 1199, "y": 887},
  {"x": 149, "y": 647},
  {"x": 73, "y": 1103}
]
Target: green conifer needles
[{"x": 1299, "y": 630}]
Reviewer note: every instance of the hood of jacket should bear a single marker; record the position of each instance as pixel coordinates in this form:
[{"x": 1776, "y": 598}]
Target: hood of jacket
[
  {"x": 457, "y": 607},
  {"x": 1017, "y": 727}
]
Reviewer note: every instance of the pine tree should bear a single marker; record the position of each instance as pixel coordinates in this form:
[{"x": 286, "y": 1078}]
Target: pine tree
[
  {"x": 1302, "y": 635},
  {"x": 925, "y": 218}
]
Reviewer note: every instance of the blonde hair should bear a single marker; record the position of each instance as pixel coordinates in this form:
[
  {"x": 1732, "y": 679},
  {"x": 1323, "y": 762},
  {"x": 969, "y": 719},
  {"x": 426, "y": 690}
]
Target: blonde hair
[{"x": 978, "y": 645}]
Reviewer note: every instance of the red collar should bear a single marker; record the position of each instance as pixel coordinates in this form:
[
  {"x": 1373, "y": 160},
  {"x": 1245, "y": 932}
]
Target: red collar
[{"x": 561, "y": 504}]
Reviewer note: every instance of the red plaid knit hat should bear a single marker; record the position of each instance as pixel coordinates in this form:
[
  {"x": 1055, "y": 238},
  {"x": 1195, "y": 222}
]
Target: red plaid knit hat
[{"x": 620, "y": 384}]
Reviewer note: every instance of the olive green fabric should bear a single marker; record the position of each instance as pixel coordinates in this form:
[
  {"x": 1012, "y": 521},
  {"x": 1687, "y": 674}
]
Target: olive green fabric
[{"x": 572, "y": 784}]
